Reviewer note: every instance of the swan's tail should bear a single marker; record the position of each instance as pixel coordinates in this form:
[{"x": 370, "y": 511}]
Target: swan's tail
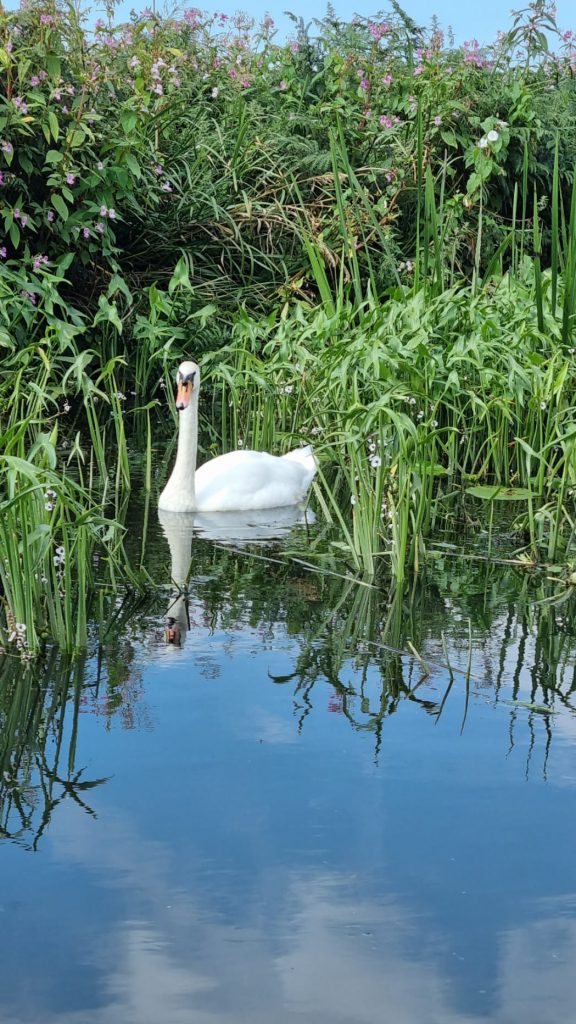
[{"x": 306, "y": 458}]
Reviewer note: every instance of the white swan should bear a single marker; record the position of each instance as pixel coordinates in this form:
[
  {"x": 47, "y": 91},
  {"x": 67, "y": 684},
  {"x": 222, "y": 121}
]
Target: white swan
[{"x": 237, "y": 481}]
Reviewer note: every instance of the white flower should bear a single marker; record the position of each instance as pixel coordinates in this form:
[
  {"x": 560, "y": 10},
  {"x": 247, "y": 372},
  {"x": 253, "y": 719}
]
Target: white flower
[
  {"x": 483, "y": 142},
  {"x": 542, "y": 405},
  {"x": 375, "y": 461},
  {"x": 240, "y": 442},
  {"x": 352, "y": 499},
  {"x": 215, "y": 93},
  {"x": 412, "y": 401},
  {"x": 288, "y": 389},
  {"x": 492, "y": 136}
]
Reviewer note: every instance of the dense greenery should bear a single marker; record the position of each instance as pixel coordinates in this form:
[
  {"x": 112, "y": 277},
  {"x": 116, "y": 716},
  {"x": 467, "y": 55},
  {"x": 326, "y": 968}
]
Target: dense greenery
[{"x": 368, "y": 232}]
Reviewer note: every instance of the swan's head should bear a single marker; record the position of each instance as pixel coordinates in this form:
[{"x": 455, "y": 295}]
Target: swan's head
[{"x": 187, "y": 381}]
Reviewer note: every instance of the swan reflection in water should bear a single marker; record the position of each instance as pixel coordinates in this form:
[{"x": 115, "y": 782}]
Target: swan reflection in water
[{"x": 259, "y": 526}]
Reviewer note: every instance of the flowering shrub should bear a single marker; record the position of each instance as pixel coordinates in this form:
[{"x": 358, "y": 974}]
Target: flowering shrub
[{"x": 123, "y": 148}]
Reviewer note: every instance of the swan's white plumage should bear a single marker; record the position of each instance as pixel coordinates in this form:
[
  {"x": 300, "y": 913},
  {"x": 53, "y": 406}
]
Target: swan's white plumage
[{"x": 236, "y": 481}]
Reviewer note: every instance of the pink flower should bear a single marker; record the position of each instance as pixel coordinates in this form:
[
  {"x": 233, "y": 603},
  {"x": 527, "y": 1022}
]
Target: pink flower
[
  {"x": 1, "y": 179},
  {"x": 437, "y": 120},
  {"x": 34, "y": 81},
  {"x": 3, "y": 252},
  {"x": 16, "y": 213},
  {"x": 9, "y": 47},
  {"x": 57, "y": 94},
  {"x": 20, "y": 105},
  {"x": 158, "y": 89},
  {"x": 387, "y": 80},
  {"x": 112, "y": 213},
  {"x": 24, "y": 220},
  {"x": 294, "y": 46},
  {"x": 233, "y": 73},
  {"x": 50, "y": 216},
  {"x": 7, "y": 148},
  {"x": 100, "y": 227},
  {"x": 86, "y": 232},
  {"x": 418, "y": 70},
  {"x": 159, "y": 170},
  {"x": 46, "y": 19},
  {"x": 283, "y": 86},
  {"x": 39, "y": 261},
  {"x": 364, "y": 84},
  {"x": 70, "y": 179}
]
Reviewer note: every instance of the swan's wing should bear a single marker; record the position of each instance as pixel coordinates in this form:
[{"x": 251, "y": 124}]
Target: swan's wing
[{"x": 251, "y": 480}]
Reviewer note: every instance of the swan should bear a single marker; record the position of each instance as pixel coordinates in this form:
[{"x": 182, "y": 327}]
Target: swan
[{"x": 237, "y": 481}]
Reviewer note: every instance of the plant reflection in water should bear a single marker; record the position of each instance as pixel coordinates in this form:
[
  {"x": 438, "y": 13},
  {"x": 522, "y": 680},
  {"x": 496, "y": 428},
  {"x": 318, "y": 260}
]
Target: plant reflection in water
[{"x": 462, "y": 628}]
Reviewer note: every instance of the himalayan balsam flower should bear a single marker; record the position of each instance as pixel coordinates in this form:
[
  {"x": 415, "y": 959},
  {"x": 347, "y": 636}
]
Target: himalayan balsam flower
[
  {"x": 387, "y": 80},
  {"x": 7, "y": 148},
  {"x": 46, "y": 19},
  {"x": 100, "y": 227},
  {"x": 283, "y": 86},
  {"x": 1, "y": 179},
  {"x": 20, "y": 105},
  {"x": 50, "y": 215},
  {"x": 39, "y": 261},
  {"x": 34, "y": 81},
  {"x": 3, "y": 252},
  {"x": 166, "y": 186},
  {"x": 437, "y": 120},
  {"x": 70, "y": 179},
  {"x": 86, "y": 232}
]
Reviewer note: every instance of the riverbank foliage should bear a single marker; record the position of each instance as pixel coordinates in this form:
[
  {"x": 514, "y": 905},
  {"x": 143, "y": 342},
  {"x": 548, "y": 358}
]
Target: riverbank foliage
[{"x": 367, "y": 233}]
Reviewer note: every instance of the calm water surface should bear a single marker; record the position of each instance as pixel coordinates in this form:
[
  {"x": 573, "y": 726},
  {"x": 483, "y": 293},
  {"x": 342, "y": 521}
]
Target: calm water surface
[{"x": 283, "y": 819}]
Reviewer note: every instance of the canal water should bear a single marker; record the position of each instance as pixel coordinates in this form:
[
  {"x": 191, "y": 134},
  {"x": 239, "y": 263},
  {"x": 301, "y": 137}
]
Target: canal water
[{"x": 276, "y": 795}]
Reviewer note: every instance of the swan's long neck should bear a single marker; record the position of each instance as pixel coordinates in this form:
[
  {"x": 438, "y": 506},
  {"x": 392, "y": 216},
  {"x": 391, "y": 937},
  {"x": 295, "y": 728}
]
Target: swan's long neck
[{"x": 181, "y": 482}]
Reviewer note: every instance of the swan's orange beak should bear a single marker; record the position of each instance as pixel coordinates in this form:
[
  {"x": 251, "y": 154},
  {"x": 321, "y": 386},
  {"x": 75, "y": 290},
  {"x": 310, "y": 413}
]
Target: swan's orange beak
[{"x": 183, "y": 394}]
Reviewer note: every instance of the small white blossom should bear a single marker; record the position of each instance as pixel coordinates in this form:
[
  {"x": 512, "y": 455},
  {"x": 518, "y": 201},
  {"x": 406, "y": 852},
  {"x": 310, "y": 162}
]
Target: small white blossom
[
  {"x": 492, "y": 136},
  {"x": 483, "y": 142},
  {"x": 375, "y": 461}
]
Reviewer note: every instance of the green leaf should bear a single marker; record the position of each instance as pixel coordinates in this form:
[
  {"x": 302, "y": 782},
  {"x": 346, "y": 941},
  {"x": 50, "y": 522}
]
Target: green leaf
[
  {"x": 180, "y": 278},
  {"x": 15, "y": 235},
  {"x": 133, "y": 165},
  {"x": 498, "y": 493},
  {"x": 53, "y": 156},
  {"x": 449, "y": 138},
  {"x": 76, "y": 138},
  {"x": 53, "y": 66},
  {"x": 60, "y": 206},
  {"x": 54, "y": 126},
  {"x": 129, "y": 120}
]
